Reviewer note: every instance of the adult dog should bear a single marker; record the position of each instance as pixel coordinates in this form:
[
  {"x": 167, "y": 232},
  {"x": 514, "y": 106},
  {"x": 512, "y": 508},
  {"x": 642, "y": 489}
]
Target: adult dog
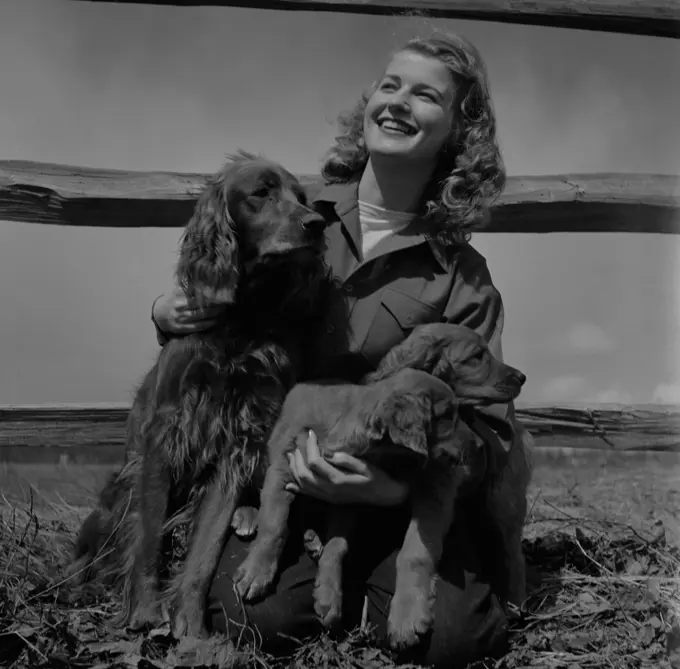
[
  {"x": 410, "y": 401},
  {"x": 201, "y": 418}
]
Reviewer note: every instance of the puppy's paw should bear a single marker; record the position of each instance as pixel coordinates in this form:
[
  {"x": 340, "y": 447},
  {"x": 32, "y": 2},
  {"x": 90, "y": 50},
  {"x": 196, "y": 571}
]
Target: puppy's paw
[
  {"x": 244, "y": 522},
  {"x": 328, "y": 606},
  {"x": 188, "y": 621},
  {"x": 313, "y": 545},
  {"x": 146, "y": 615},
  {"x": 254, "y": 577},
  {"x": 411, "y": 617}
]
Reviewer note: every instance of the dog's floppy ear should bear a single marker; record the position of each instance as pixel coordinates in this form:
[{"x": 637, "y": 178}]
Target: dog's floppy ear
[
  {"x": 404, "y": 418},
  {"x": 417, "y": 351},
  {"x": 209, "y": 263}
]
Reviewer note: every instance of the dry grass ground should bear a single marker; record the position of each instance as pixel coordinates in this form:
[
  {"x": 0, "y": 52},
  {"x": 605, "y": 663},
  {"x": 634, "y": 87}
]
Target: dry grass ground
[{"x": 602, "y": 543}]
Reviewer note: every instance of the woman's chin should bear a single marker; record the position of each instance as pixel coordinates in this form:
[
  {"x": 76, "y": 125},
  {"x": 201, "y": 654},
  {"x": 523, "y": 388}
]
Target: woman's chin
[{"x": 395, "y": 148}]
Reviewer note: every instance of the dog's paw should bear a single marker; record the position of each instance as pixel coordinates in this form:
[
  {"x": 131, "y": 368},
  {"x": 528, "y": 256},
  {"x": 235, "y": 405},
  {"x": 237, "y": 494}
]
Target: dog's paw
[
  {"x": 188, "y": 622},
  {"x": 254, "y": 578},
  {"x": 328, "y": 604},
  {"x": 244, "y": 522},
  {"x": 145, "y": 616},
  {"x": 313, "y": 545},
  {"x": 410, "y": 619}
]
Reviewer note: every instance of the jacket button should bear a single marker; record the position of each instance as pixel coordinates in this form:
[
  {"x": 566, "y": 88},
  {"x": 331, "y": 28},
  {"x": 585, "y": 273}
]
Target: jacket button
[
  {"x": 349, "y": 288},
  {"x": 330, "y": 329}
]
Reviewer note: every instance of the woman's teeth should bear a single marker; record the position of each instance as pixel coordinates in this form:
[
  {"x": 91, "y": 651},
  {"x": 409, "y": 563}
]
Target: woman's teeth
[{"x": 397, "y": 127}]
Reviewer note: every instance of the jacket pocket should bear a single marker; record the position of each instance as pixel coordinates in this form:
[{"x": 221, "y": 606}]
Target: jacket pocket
[{"x": 397, "y": 314}]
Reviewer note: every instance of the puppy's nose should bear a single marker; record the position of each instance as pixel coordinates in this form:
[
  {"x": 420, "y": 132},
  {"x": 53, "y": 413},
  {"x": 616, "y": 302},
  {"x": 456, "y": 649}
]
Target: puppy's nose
[
  {"x": 520, "y": 378},
  {"x": 313, "y": 222}
]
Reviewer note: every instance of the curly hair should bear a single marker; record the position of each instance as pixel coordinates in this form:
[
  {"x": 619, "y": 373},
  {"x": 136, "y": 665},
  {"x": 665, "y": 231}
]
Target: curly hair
[{"x": 470, "y": 174}]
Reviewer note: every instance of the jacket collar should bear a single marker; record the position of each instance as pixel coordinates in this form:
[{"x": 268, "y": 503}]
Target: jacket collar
[{"x": 344, "y": 198}]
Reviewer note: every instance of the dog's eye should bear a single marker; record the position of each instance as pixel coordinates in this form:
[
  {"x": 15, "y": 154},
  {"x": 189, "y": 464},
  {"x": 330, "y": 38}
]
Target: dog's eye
[
  {"x": 262, "y": 191},
  {"x": 301, "y": 197}
]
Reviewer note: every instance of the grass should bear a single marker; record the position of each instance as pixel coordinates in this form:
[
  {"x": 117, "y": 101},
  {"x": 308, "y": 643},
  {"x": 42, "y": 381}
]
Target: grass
[{"x": 602, "y": 545}]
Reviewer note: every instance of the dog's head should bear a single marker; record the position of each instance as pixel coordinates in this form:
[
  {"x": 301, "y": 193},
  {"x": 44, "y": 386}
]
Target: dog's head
[
  {"x": 253, "y": 208},
  {"x": 460, "y": 357},
  {"x": 413, "y": 411}
]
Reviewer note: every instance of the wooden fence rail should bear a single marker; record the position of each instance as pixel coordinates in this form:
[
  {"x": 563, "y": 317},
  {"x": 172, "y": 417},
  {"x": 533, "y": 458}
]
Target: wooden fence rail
[
  {"x": 98, "y": 434},
  {"x": 659, "y": 18},
  {"x": 68, "y": 195}
]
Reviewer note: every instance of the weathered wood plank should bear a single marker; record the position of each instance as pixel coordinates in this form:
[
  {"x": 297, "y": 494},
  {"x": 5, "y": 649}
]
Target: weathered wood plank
[
  {"x": 45, "y": 193},
  {"x": 97, "y": 434},
  {"x": 659, "y": 18}
]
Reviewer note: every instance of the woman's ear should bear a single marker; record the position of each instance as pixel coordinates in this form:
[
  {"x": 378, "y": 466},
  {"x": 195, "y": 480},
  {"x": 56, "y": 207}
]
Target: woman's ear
[{"x": 209, "y": 264}]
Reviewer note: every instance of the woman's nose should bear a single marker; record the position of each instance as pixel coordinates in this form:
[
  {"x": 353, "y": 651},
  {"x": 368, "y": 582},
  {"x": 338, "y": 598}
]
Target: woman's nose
[{"x": 399, "y": 101}]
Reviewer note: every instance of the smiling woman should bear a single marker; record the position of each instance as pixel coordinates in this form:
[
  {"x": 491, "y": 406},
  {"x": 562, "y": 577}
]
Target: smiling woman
[{"x": 413, "y": 172}]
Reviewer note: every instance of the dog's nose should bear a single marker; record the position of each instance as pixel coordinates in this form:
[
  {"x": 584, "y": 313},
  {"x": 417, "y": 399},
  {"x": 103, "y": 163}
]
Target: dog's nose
[
  {"x": 520, "y": 378},
  {"x": 313, "y": 222}
]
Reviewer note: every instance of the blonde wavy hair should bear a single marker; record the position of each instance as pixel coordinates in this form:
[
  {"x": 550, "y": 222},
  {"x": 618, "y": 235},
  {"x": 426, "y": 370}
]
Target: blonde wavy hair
[{"x": 470, "y": 174}]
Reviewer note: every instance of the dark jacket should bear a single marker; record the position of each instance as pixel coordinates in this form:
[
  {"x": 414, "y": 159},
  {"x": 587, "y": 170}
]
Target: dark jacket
[{"x": 407, "y": 279}]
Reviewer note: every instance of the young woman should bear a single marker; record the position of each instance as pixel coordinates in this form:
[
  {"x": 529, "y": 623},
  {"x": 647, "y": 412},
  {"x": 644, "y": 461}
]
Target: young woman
[{"x": 412, "y": 174}]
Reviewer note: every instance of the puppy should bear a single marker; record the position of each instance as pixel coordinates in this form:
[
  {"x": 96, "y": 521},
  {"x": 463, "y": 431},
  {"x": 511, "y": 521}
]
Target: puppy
[
  {"x": 462, "y": 358},
  {"x": 411, "y": 401},
  {"x": 201, "y": 418}
]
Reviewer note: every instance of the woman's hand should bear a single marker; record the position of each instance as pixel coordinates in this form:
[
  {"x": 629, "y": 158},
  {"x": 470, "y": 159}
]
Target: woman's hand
[
  {"x": 177, "y": 314},
  {"x": 342, "y": 479}
]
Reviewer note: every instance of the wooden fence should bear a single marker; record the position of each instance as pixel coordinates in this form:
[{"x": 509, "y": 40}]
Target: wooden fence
[
  {"x": 96, "y": 435},
  {"x": 658, "y": 18},
  {"x": 44, "y": 193},
  {"x": 51, "y": 194}
]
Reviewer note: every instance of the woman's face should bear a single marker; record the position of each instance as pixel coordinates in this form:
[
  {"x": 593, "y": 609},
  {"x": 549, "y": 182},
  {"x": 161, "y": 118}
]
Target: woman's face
[{"x": 410, "y": 114}]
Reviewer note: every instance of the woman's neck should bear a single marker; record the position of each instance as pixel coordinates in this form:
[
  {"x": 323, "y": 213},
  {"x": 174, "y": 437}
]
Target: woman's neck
[{"x": 392, "y": 186}]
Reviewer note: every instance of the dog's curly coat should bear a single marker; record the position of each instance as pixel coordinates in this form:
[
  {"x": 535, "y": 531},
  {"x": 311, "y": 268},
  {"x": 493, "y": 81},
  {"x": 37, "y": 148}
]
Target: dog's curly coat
[
  {"x": 202, "y": 415},
  {"x": 396, "y": 408}
]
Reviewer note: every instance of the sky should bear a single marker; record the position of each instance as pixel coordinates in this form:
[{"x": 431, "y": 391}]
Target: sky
[{"x": 590, "y": 318}]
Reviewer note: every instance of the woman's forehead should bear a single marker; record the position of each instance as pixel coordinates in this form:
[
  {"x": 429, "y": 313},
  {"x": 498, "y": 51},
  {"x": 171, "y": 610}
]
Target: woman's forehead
[{"x": 417, "y": 68}]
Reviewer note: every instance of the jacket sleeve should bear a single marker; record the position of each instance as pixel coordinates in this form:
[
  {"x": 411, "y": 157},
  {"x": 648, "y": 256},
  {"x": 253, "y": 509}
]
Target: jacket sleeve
[
  {"x": 161, "y": 337},
  {"x": 476, "y": 303}
]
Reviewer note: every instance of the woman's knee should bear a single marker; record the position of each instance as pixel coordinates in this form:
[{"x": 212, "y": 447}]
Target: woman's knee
[
  {"x": 469, "y": 632},
  {"x": 469, "y": 622},
  {"x": 286, "y": 613}
]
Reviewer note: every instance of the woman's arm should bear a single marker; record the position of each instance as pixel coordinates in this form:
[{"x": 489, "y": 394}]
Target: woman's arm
[
  {"x": 476, "y": 303},
  {"x": 175, "y": 315}
]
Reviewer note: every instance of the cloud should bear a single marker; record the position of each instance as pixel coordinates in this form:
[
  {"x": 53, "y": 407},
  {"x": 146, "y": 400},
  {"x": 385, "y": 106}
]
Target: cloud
[
  {"x": 571, "y": 388},
  {"x": 610, "y": 396},
  {"x": 568, "y": 388},
  {"x": 588, "y": 338},
  {"x": 667, "y": 393}
]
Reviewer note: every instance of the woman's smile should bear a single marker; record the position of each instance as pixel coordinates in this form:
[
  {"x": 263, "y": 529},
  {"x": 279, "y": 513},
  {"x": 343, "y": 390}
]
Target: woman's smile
[{"x": 393, "y": 126}]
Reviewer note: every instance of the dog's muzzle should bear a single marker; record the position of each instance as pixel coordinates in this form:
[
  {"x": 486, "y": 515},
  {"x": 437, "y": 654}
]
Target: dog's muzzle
[{"x": 313, "y": 222}]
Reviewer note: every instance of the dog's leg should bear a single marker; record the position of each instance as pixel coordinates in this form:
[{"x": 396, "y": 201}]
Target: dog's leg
[
  {"x": 257, "y": 572},
  {"x": 214, "y": 518},
  {"x": 328, "y": 586},
  {"x": 154, "y": 486},
  {"x": 412, "y": 607}
]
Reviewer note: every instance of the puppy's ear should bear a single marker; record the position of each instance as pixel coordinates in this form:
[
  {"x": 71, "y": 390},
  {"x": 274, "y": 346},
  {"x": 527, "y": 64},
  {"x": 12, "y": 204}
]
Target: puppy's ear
[
  {"x": 405, "y": 419},
  {"x": 209, "y": 264},
  {"x": 417, "y": 351}
]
